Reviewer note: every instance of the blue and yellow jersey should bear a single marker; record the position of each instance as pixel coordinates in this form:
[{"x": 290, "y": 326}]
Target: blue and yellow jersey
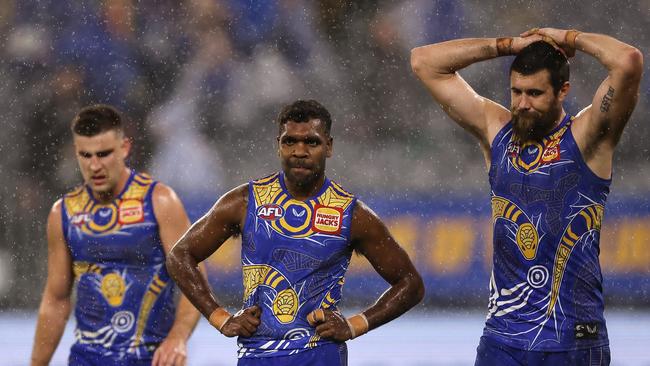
[
  {"x": 547, "y": 207},
  {"x": 125, "y": 305},
  {"x": 294, "y": 257}
]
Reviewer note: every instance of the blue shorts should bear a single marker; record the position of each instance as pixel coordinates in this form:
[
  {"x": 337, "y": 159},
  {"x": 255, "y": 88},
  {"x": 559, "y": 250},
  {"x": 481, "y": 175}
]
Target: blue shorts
[
  {"x": 331, "y": 354},
  {"x": 81, "y": 357},
  {"x": 491, "y": 352}
]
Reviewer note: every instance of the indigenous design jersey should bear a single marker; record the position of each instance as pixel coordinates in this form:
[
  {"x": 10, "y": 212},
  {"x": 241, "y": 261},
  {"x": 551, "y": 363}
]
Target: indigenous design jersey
[
  {"x": 294, "y": 257},
  {"x": 547, "y": 208},
  {"x": 125, "y": 303}
]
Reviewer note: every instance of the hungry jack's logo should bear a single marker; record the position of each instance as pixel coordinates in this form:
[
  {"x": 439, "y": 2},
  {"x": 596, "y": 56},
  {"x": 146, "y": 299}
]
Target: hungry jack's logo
[
  {"x": 327, "y": 220},
  {"x": 130, "y": 212}
]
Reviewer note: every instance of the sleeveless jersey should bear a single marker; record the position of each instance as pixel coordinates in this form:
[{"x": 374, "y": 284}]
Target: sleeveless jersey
[
  {"x": 125, "y": 305},
  {"x": 547, "y": 208},
  {"x": 294, "y": 258}
]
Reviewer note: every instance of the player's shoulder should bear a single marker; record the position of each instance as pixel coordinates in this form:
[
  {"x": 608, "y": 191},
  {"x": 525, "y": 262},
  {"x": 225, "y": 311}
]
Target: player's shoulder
[
  {"x": 264, "y": 190},
  {"x": 163, "y": 192},
  {"x": 143, "y": 178},
  {"x": 74, "y": 200},
  {"x": 140, "y": 187},
  {"x": 339, "y": 189},
  {"x": 75, "y": 192},
  {"x": 334, "y": 195},
  {"x": 267, "y": 180},
  {"x": 237, "y": 195},
  {"x": 581, "y": 118},
  {"x": 57, "y": 206},
  {"x": 497, "y": 123},
  {"x": 363, "y": 211}
]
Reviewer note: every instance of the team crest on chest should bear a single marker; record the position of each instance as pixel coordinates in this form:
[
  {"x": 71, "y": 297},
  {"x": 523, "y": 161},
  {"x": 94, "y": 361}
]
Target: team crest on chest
[
  {"x": 327, "y": 220},
  {"x": 528, "y": 157},
  {"x": 270, "y": 212},
  {"x": 130, "y": 212}
]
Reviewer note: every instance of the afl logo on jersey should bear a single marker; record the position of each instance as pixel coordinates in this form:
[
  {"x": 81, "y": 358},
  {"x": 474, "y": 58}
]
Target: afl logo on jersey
[
  {"x": 80, "y": 218},
  {"x": 270, "y": 212}
]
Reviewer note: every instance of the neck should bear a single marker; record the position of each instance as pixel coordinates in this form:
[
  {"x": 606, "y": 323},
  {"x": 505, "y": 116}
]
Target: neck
[
  {"x": 562, "y": 115},
  {"x": 303, "y": 191}
]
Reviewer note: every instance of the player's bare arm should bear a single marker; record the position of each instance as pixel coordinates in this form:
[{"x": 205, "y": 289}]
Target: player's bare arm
[
  {"x": 173, "y": 222},
  {"x": 598, "y": 127},
  {"x": 225, "y": 219},
  {"x": 371, "y": 238},
  {"x": 436, "y": 65},
  {"x": 56, "y": 303}
]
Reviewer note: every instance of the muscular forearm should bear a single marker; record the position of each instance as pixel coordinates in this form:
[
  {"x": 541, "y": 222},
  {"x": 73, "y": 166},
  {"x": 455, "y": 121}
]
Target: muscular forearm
[
  {"x": 397, "y": 300},
  {"x": 184, "y": 269},
  {"x": 52, "y": 317},
  {"x": 615, "y": 55},
  {"x": 186, "y": 319},
  {"x": 450, "y": 56}
]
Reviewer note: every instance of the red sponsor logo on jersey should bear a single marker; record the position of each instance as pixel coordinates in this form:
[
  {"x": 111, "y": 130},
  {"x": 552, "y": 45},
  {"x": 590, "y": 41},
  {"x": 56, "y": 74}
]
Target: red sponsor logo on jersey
[
  {"x": 327, "y": 220},
  {"x": 130, "y": 212},
  {"x": 551, "y": 152},
  {"x": 270, "y": 212}
]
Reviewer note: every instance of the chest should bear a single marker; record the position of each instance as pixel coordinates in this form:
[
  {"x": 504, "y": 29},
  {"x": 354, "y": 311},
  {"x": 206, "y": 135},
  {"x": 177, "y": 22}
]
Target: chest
[
  {"x": 123, "y": 231},
  {"x": 546, "y": 168},
  {"x": 296, "y": 235}
]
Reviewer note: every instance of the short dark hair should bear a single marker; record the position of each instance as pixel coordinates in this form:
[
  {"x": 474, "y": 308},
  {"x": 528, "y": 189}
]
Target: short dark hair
[
  {"x": 539, "y": 56},
  {"x": 95, "y": 119},
  {"x": 303, "y": 111}
]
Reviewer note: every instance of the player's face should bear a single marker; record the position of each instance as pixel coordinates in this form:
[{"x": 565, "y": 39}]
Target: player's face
[
  {"x": 303, "y": 149},
  {"x": 101, "y": 160},
  {"x": 536, "y": 109}
]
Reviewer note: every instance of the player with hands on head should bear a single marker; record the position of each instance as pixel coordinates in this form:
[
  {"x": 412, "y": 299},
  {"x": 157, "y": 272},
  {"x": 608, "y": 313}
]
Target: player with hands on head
[{"x": 549, "y": 173}]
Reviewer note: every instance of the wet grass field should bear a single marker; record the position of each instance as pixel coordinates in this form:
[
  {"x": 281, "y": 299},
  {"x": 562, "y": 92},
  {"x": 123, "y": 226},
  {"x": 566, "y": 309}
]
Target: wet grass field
[{"x": 436, "y": 337}]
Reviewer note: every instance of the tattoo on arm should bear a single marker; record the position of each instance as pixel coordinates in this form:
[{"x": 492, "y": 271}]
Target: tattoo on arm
[{"x": 607, "y": 100}]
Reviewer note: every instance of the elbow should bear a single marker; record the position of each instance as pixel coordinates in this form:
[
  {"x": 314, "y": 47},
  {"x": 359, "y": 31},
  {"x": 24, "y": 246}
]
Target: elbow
[
  {"x": 630, "y": 62},
  {"x": 426, "y": 66},
  {"x": 417, "y": 60},
  {"x": 173, "y": 261},
  {"x": 417, "y": 286},
  {"x": 420, "y": 291}
]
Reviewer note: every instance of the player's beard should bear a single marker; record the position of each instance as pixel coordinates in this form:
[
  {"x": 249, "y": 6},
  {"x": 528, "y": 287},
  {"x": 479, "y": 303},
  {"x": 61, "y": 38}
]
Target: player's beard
[{"x": 533, "y": 125}]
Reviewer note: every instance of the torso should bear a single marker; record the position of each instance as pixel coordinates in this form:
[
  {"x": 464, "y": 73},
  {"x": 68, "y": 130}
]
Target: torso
[
  {"x": 124, "y": 305},
  {"x": 547, "y": 206},
  {"x": 294, "y": 257}
]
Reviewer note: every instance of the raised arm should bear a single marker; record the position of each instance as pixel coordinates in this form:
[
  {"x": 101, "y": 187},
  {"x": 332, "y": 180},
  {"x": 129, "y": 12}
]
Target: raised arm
[
  {"x": 225, "y": 219},
  {"x": 436, "y": 65},
  {"x": 372, "y": 239},
  {"x": 598, "y": 127},
  {"x": 55, "y": 304},
  {"x": 173, "y": 222}
]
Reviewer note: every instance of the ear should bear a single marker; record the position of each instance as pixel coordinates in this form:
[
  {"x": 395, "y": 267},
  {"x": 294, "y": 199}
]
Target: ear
[
  {"x": 564, "y": 91},
  {"x": 330, "y": 147}
]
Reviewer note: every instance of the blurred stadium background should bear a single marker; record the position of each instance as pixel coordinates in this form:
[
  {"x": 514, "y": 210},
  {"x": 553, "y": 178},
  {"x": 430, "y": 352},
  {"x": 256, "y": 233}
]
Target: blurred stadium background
[{"x": 201, "y": 81}]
